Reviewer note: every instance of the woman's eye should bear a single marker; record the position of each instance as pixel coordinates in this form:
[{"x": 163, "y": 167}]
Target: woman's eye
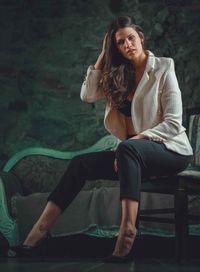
[
  {"x": 120, "y": 42},
  {"x": 132, "y": 38}
]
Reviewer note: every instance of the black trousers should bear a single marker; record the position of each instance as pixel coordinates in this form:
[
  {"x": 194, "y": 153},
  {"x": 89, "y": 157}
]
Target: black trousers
[{"x": 136, "y": 160}]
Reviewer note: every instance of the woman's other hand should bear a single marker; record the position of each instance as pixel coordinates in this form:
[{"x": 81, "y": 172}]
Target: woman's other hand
[
  {"x": 155, "y": 139},
  {"x": 138, "y": 136}
]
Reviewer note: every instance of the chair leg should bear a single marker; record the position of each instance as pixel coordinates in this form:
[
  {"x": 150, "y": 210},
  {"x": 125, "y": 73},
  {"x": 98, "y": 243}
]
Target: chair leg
[{"x": 181, "y": 225}]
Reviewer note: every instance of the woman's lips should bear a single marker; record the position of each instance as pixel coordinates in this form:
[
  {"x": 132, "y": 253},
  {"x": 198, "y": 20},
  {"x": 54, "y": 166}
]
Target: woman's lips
[{"x": 131, "y": 51}]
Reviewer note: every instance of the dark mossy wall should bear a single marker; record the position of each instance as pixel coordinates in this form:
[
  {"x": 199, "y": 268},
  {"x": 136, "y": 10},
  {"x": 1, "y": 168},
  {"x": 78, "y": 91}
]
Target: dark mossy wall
[{"x": 45, "y": 49}]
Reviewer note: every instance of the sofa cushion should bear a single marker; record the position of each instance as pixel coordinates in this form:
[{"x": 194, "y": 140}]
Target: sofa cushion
[
  {"x": 91, "y": 209},
  {"x": 194, "y": 174}
]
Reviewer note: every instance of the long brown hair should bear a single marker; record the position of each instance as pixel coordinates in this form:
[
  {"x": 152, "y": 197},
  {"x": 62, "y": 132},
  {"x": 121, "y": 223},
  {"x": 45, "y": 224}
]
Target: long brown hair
[{"x": 118, "y": 73}]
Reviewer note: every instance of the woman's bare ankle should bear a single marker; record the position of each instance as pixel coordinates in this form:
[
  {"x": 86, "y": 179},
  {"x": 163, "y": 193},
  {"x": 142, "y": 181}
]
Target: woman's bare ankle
[{"x": 125, "y": 240}]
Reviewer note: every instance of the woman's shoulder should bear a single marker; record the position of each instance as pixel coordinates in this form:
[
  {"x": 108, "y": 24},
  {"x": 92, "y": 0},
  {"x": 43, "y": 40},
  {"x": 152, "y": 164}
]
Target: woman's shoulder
[
  {"x": 164, "y": 64},
  {"x": 160, "y": 62},
  {"x": 164, "y": 61}
]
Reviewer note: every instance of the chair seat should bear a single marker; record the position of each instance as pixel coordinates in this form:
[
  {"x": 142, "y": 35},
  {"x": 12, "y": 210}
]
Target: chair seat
[
  {"x": 162, "y": 185},
  {"x": 194, "y": 174}
]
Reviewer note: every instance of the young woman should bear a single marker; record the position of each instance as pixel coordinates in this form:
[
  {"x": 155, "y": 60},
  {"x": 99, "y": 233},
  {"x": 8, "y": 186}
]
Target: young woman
[{"x": 144, "y": 111}]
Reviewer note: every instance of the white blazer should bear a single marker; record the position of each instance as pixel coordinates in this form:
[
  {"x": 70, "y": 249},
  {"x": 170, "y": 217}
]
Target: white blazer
[{"x": 156, "y": 108}]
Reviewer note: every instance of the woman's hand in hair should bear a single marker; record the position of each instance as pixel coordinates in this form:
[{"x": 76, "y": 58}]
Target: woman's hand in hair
[
  {"x": 104, "y": 44},
  {"x": 101, "y": 58}
]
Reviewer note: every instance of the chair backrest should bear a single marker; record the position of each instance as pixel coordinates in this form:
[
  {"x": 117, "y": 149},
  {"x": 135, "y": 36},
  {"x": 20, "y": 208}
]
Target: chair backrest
[{"x": 194, "y": 138}]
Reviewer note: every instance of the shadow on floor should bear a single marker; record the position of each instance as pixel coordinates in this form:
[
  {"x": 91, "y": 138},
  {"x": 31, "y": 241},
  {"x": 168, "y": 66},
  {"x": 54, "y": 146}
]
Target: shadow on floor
[
  {"x": 83, "y": 246},
  {"x": 83, "y": 253}
]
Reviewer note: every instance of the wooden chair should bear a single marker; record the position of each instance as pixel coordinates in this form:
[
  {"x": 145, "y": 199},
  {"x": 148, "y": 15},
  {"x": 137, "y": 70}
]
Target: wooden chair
[{"x": 182, "y": 186}]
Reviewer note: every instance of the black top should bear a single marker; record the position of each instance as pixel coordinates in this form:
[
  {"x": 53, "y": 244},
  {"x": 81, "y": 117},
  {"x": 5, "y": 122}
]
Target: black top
[{"x": 126, "y": 108}]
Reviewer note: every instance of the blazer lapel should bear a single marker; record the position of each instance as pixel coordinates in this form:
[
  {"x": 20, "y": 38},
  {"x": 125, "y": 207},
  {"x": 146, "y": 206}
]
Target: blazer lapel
[{"x": 148, "y": 70}]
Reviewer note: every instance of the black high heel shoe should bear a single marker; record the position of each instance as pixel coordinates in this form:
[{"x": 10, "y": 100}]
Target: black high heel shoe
[
  {"x": 120, "y": 259},
  {"x": 23, "y": 251}
]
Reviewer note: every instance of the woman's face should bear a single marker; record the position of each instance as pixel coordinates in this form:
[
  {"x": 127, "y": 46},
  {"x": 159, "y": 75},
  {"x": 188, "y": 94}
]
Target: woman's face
[{"x": 129, "y": 43}]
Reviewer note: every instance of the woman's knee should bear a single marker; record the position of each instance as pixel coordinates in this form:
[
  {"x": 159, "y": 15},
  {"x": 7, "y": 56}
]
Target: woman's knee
[{"x": 124, "y": 147}]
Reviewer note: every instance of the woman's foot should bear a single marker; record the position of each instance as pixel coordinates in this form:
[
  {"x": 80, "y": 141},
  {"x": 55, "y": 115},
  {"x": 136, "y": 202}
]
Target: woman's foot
[
  {"x": 34, "y": 245},
  {"x": 37, "y": 250},
  {"x": 123, "y": 248},
  {"x": 125, "y": 241}
]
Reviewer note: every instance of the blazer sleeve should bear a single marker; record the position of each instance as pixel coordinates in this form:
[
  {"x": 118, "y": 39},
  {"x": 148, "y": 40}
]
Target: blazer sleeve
[
  {"x": 91, "y": 90},
  {"x": 171, "y": 103}
]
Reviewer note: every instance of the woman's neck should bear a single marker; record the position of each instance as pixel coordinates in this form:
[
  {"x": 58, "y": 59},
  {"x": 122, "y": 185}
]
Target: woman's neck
[
  {"x": 140, "y": 63},
  {"x": 139, "y": 67}
]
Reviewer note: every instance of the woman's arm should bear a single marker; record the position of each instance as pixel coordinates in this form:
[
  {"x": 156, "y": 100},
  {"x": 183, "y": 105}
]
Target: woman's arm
[
  {"x": 91, "y": 90},
  {"x": 171, "y": 102}
]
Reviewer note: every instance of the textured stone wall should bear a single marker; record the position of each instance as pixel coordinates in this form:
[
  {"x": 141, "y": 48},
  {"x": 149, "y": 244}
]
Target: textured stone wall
[{"x": 45, "y": 49}]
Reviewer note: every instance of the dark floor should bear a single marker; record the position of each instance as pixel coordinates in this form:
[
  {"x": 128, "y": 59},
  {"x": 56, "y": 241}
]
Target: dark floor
[{"x": 80, "y": 253}]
